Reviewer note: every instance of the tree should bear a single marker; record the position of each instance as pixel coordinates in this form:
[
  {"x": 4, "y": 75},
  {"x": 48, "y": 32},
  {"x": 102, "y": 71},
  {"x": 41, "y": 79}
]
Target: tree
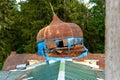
[
  {"x": 94, "y": 27},
  {"x": 6, "y": 37},
  {"x": 32, "y": 17},
  {"x": 112, "y": 40}
]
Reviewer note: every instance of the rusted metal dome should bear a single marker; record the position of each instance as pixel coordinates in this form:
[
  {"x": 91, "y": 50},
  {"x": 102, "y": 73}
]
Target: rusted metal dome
[{"x": 59, "y": 29}]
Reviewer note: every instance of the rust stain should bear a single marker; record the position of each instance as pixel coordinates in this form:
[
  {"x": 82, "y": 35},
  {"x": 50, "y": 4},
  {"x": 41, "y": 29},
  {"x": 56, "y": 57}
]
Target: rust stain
[
  {"x": 15, "y": 59},
  {"x": 59, "y": 29}
]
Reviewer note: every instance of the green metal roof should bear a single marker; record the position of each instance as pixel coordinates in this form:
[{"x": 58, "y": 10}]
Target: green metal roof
[
  {"x": 45, "y": 72},
  {"x": 73, "y": 71},
  {"x": 11, "y": 75}
]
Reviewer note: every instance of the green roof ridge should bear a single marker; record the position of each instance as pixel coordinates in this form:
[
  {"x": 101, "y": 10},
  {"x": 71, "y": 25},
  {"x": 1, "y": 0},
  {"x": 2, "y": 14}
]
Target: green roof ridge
[
  {"x": 62, "y": 66},
  {"x": 61, "y": 75}
]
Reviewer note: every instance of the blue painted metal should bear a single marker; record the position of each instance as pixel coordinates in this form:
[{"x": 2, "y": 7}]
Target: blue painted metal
[
  {"x": 57, "y": 43},
  {"x": 43, "y": 51},
  {"x": 84, "y": 53},
  {"x": 41, "y": 48},
  {"x": 70, "y": 42}
]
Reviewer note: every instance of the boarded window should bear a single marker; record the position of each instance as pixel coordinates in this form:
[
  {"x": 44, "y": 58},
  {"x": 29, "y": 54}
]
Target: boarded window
[
  {"x": 77, "y": 41},
  {"x": 65, "y": 42},
  {"x": 51, "y": 45}
]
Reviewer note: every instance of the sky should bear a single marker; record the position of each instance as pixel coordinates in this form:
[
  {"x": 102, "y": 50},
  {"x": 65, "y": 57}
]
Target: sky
[
  {"x": 20, "y": 0},
  {"x": 86, "y": 2}
]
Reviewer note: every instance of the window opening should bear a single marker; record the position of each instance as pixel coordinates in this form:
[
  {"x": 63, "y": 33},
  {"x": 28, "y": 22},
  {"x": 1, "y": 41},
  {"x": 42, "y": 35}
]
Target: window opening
[{"x": 61, "y": 44}]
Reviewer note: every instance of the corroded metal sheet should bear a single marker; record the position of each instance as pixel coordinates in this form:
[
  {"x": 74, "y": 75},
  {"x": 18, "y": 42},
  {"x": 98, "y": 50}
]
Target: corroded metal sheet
[
  {"x": 59, "y": 29},
  {"x": 51, "y": 45},
  {"x": 40, "y": 35}
]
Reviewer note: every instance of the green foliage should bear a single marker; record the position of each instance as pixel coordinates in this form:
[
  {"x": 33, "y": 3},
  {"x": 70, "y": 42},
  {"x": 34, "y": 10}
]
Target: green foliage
[
  {"x": 6, "y": 33},
  {"x": 5, "y": 13},
  {"x": 0, "y": 65},
  {"x": 95, "y": 27},
  {"x": 30, "y": 20}
]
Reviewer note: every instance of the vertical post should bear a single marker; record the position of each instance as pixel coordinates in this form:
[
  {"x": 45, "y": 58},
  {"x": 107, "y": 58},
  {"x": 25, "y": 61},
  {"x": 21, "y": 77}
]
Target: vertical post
[{"x": 112, "y": 40}]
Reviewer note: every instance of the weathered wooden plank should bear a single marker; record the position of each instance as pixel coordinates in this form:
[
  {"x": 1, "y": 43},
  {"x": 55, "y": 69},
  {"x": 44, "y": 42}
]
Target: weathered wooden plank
[
  {"x": 65, "y": 42},
  {"x": 112, "y": 40}
]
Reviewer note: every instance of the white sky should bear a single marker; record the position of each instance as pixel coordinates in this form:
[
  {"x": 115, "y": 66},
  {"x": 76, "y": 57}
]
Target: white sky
[
  {"x": 20, "y": 0},
  {"x": 86, "y": 2}
]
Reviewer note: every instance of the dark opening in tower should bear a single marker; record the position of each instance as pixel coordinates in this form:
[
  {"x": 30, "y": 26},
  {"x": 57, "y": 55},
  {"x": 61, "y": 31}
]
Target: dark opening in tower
[{"x": 61, "y": 43}]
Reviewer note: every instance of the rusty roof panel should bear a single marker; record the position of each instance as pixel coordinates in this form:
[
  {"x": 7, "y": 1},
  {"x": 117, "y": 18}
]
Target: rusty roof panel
[
  {"x": 51, "y": 45},
  {"x": 100, "y": 57},
  {"x": 14, "y": 59},
  {"x": 59, "y": 29},
  {"x": 40, "y": 35}
]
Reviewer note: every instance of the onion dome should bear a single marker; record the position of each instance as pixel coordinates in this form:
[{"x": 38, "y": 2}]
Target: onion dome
[{"x": 59, "y": 29}]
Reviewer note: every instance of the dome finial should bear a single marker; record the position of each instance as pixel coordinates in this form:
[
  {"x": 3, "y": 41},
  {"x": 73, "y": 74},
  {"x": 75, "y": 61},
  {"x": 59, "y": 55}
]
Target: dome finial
[{"x": 52, "y": 8}]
